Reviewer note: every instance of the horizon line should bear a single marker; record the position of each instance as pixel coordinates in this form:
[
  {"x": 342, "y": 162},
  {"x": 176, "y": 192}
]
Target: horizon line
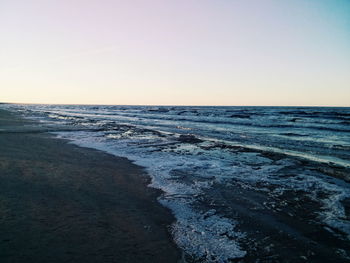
[{"x": 171, "y": 105}]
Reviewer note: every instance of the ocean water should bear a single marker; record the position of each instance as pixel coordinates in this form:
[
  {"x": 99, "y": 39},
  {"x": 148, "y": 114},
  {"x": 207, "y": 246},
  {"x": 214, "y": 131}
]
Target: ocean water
[{"x": 189, "y": 151}]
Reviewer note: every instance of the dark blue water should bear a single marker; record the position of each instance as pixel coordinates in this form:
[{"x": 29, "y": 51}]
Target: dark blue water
[{"x": 317, "y": 133}]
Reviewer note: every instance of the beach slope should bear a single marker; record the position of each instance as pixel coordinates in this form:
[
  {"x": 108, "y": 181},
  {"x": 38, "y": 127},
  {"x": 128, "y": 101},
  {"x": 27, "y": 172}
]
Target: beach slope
[{"x": 64, "y": 203}]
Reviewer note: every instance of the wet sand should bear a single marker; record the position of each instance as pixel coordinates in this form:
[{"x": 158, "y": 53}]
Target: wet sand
[{"x": 64, "y": 203}]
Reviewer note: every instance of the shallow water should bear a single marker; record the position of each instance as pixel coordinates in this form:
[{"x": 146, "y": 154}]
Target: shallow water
[{"x": 189, "y": 151}]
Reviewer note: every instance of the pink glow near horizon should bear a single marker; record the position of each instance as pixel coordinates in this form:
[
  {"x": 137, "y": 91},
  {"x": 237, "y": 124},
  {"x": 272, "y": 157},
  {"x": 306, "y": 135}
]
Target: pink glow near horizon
[{"x": 175, "y": 52}]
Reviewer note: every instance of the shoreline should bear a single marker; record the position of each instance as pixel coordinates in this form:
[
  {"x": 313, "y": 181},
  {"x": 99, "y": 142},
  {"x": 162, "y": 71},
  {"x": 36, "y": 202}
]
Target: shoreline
[
  {"x": 60, "y": 202},
  {"x": 287, "y": 210}
]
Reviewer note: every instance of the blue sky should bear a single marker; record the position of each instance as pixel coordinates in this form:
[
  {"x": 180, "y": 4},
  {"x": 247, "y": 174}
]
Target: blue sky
[{"x": 184, "y": 52}]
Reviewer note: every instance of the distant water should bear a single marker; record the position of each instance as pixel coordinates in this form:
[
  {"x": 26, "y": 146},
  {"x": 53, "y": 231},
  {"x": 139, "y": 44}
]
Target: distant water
[{"x": 188, "y": 150}]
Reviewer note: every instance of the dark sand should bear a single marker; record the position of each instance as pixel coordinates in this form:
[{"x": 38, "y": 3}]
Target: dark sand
[{"x": 63, "y": 203}]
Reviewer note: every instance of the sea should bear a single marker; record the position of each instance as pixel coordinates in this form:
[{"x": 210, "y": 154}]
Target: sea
[{"x": 232, "y": 176}]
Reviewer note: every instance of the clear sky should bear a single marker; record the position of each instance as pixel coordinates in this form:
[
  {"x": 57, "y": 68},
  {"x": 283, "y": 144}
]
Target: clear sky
[{"x": 175, "y": 52}]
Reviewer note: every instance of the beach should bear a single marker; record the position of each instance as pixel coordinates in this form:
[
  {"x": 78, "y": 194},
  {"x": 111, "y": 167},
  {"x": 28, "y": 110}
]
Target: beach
[
  {"x": 63, "y": 203},
  {"x": 194, "y": 184}
]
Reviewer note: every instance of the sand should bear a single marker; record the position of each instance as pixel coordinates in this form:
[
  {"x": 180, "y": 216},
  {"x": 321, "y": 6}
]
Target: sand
[{"x": 63, "y": 203}]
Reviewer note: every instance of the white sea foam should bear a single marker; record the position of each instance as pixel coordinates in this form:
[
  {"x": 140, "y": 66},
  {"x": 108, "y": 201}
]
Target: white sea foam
[{"x": 212, "y": 238}]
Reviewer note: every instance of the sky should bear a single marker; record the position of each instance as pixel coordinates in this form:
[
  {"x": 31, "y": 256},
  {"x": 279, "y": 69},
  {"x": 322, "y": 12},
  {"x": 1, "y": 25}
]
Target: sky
[{"x": 175, "y": 52}]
